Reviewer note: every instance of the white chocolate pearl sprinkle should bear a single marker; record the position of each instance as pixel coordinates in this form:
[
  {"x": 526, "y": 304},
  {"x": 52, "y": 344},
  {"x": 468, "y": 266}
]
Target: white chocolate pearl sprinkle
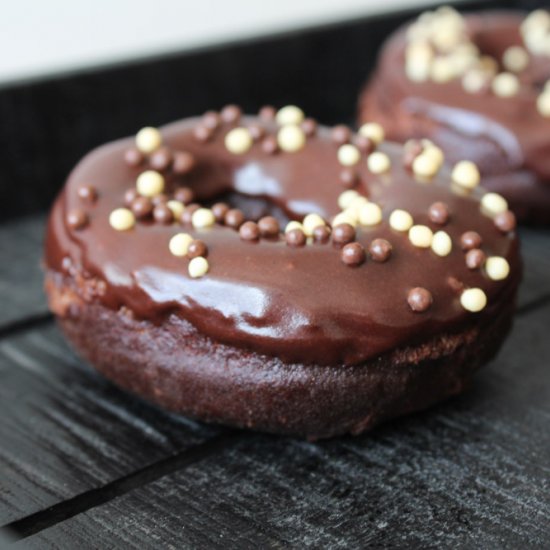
[
  {"x": 370, "y": 214},
  {"x": 473, "y": 299},
  {"x": 474, "y": 81},
  {"x": 421, "y": 236},
  {"x": 466, "y": 174},
  {"x": 179, "y": 244},
  {"x": 348, "y": 155},
  {"x": 401, "y": 220},
  {"x": 198, "y": 267},
  {"x": 433, "y": 151},
  {"x": 344, "y": 217},
  {"x": 122, "y": 219},
  {"x": 442, "y": 244},
  {"x": 515, "y": 59},
  {"x": 493, "y": 204},
  {"x": 291, "y": 138},
  {"x": 442, "y": 70},
  {"x": 176, "y": 207},
  {"x": 373, "y": 131},
  {"x": 378, "y": 162},
  {"x": 497, "y": 268},
  {"x": 293, "y": 225},
  {"x": 289, "y": 115},
  {"x": 425, "y": 165},
  {"x": 150, "y": 183},
  {"x": 238, "y": 141},
  {"x": 148, "y": 139},
  {"x": 203, "y": 217},
  {"x": 543, "y": 104},
  {"x": 505, "y": 85},
  {"x": 346, "y": 198},
  {"x": 311, "y": 221}
]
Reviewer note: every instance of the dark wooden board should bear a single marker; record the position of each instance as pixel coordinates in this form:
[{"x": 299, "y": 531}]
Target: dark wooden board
[{"x": 473, "y": 472}]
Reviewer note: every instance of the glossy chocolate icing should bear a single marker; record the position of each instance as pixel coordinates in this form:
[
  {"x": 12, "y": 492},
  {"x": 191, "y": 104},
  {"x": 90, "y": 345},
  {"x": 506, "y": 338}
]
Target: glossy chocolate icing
[
  {"x": 502, "y": 135},
  {"x": 298, "y": 304}
]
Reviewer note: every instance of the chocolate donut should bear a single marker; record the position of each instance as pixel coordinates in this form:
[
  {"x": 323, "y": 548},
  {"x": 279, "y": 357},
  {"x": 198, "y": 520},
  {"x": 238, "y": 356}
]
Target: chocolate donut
[
  {"x": 476, "y": 86},
  {"x": 339, "y": 294}
]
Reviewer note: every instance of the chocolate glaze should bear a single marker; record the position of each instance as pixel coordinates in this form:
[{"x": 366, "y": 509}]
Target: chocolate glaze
[
  {"x": 502, "y": 135},
  {"x": 295, "y": 303}
]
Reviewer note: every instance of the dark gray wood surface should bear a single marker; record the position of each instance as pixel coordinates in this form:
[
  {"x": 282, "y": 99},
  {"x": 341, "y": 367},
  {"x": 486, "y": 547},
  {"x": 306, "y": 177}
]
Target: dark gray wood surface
[{"x": 83, "y": 464}]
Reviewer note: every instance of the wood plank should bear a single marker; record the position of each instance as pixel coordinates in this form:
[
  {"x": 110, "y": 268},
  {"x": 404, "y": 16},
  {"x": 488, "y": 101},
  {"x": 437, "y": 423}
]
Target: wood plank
[
  {"x": 472, "y": 472},
  {"x": 66, "y": 430}
]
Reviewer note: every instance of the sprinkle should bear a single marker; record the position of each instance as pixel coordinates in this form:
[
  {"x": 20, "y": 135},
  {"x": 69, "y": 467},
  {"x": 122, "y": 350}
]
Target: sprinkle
[
  {"x": 211, "y": 119},
  {"x": 269, "y": 145},
  {"x": 176, "y": 207},
  {"x": 364, "y": 144},
  {"x": 373, "y": 131},
  {"x": 220, "y": 209},
  {"x": 497, "y": 268},
  {"x": 543, "y": 104},
  {"x": 163, "y": 214},
  {"x": 238, "y": 141},
  {"x": 475, "y": 258},
  {"x": 321, "y": 234},
  {"x": 515, "y": 59},
  {"x": 269, "y": 226},
  {"x": 348, "y": 155},
  {"x": 466, "y": 174},
  {"x": 203, "y": 217},
  {"x": 234, "y": 218},
  {"x": 442, "y": 243},
  {"x": 421, "y": 236},
  {"x": 289, "y": 115},
  {"x": 295, "y": 237},
  {"x": 340, "y": 134},
  {"x": 291, "y": 138},
  {"x": 425, "y": 165},
  {"x": 419, "y": 58},
  {"x": 148, "y": 139},
  {"x": 267, "y": 112},
  {"x": 256, "y": 131},
  {"x": 505, "y": 85},
  {"x": 184, "y": 195},
  {"x": 346, "y": 198},
  {"x": 198, "y": 267},
  {"x": 370, "y": 214},
  {"x": 470, "y": 239},
  {"x": 493, "y": 204},
  {"x": 202, "y": 133},
  {"x": 179, "y": 244},
  {"x": 142, "y": 207},
  {"x": 77, "y": 219},
  {"x": 473, "y": 299},
  {"x": 150, "y": 183},
  {"x": 311, "y": 221},
  {"x": 249, "y": 231},
  {"x": 348, "y": 177},
  {"x": 87, "y": 193},
  {"x": 441, "y": 70},
  {"x": 433, "y": 151},
  {"x": 378, "y": 162},
  {"x": 293, "y": 225},
  {"x": 401, "y": 220},
  {"x": 353, "y": 254},
  {"x": 187, "y": 214},
  {"x": 439, "y": 213},
  {"x": 419, "y": 299},
  {"x": 475, "y": 81},
  {"x": 197, "y": 248},
  {"x": 231, "y": 113},
  {"x": 345, "y": 217},
  {"x": 505, "y": 221},
  {"x": 183, "y": 162},
  {"x": 309, "y": 126},
  {"x": 122, "y": 219},
  {"x": 161, "y": 159},
  {"x": 380, "y": 250},
  {"x": 133, "y": 157},
  {"x": 343, "y": 233}
]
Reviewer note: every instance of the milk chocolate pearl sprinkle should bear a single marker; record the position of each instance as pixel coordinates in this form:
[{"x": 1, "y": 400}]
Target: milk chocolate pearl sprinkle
[
  {"x": 234, "y": 218},
  {"x": 202, "y": 133},
  {"x": 353, "y": 254},
  {"x": 505, "y": 221},
  {"x": 475, "y": 258},
  {"x": 267, "y": 112},
  {"x": 256, "y": 131},
  {"x": 161, "y": 198},
  {"x": 469, "y": 240},
  {"x": 183, "y": 162},
  {"x": 413, "y": 149},
  {"x": 380, "y": 250},
  {"x": 343, "y": 233},
  {"x": 348, "y": 177},
  {"x": 219, "y": 210},
  {"x": 419, "y": 299},
  {"x": 197, "y": 248},
  {"x": 163, "y": 214},
  {"x": 439, "y": 213},
  {"x": 142, "y": 207},
  {"x": 77, "y": 219},
  {"x": 130, "y": 195},
  {"x": 269, "y": 145},
  {"x": 161, "y": 159},
  {"x": 321, "y": 234},
  {"x": 340, "y": 134},
  {"x": 87, "y": 193},
  {"x": 295, "y": 237},
  {"x": 184, "y": 195},
  {"x": 249, "y": 231},
  {"x": 309, "y": 126},
  {"x": 230, "y": 113},
  {"x": 269, "y": 226},
  {"x": 133, "y": 157},
  {"x": 364, "y": 144},
  {"x": 187, "y": 215},
  {"x": 211, "y": 120}
]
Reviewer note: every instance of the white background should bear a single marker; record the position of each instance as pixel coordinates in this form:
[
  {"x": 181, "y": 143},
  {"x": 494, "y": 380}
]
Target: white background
[{"x": 40, "y": 37}]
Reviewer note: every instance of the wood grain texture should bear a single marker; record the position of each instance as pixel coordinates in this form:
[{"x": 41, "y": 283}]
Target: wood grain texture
[{"x": 473, "y": 472}]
